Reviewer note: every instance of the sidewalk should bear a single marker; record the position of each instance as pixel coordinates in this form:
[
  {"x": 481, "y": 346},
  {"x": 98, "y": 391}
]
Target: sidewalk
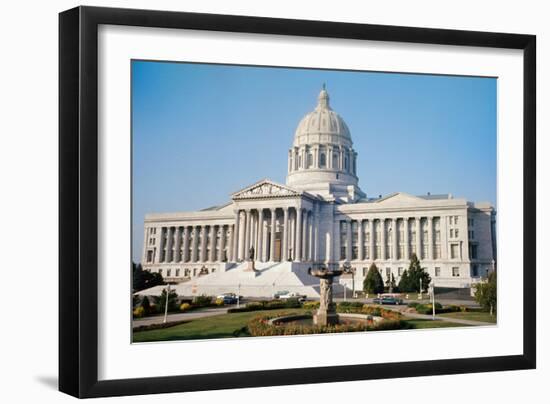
[{"x": 180, "y": 316}]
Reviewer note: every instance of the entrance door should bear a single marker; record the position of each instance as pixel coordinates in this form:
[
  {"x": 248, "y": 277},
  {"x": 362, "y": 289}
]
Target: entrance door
[{"x": 277, "y": 256}]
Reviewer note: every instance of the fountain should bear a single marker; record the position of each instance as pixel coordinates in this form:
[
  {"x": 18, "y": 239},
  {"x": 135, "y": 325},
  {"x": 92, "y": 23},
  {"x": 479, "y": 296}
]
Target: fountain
[{"x": 326, "y": 314}]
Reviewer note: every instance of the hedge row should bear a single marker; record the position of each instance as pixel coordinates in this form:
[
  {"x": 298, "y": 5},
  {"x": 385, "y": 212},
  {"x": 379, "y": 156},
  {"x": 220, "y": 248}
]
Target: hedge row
[{"x": 267, "y": 305}]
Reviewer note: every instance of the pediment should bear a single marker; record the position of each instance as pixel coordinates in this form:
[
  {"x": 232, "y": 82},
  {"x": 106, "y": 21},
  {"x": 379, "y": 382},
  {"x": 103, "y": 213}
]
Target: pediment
[
  {"x": 265, "y": 189},
  {"x": 400, "y": 198}
]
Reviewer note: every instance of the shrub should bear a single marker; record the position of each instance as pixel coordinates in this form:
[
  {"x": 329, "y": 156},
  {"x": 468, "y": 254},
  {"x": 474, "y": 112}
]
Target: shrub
[
  {"x": 293, "y": 303},
  {"x": 311, "y": 305},
  {"x": 202, "y": 301},
  {"x": 275, "y": 304},
  {"x": 146, "y": 305},
  {"x": 427, "y": 308},
  {"x": 349, "y": 307},
  {"x": 139, "y": 312},
  {"x": 413, "y": 304},
  {"x": 255, "y": 306},
  {"x": 185, "y": 307}
]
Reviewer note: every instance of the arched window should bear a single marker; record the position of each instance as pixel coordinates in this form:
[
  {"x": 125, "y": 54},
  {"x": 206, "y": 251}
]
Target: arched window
[
  {"x": 323, "y": 160},
  {"x": 309, "y": 160},
  {"x": 335, "y": 160},
  {"x": 346, "y": 163},
  {"x": 299, "y": 161}
]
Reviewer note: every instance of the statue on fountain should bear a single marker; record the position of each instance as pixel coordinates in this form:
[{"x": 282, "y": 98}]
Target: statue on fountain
[{"x": 326, "y": 314}]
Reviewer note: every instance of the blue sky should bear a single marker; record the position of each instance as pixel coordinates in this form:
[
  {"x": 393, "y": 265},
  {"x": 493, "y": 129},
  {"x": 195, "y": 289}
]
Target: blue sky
[{"x": 201, "y": 132}]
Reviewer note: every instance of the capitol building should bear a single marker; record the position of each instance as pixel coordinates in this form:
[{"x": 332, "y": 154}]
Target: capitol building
[{"x": 319, "y": 217}]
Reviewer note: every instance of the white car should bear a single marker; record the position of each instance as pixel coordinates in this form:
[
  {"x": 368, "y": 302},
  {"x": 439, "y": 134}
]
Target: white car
[{"x": 293, "y": 295}]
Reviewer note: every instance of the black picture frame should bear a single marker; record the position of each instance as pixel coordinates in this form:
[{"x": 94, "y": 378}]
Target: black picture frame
[{"x": 78, "y": 200}]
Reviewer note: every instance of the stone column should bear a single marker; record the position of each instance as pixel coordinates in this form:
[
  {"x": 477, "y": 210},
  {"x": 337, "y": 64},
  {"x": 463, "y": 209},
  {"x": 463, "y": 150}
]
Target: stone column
[
  {"x": 304, "y": 235},
  {"x": 430, "y": 238},
  {"x": 285, "y": 235},
  {"x": 360, "y": 239},
  {"x": 230, "y": 250},
  {"x": 160, "y": 244},
  {"x": 329, "y": 157},
  {"x": 348, "y": 241},
  {"x": 169, "y": 244},
  {"x": 316, "y": 234},
  {"x": 292, "y": 237},
  {"x": 203, "y": 243},
  {"x": 179, "y": 232},
  {"x": 213, "y": 237},
  {"x": 246, "y": 233},
  {"x": 371, "y": 240},
  {"x": 310, "y": 237},
  {"x": 383, "y": 239},
  {"x": 222, "y": 243},
  {"x": 395, "y": 239},
  {"x": 272, "y": 240},
  {"x": 185, "y": 255},
  {"x": 298, "y": 247},
  {"x": 418, "y": 237},
  {"x": 195, "y": 247},
  {"x": 259, "y": 253},
  {"x": 406, "y": 251},
  {"x": 235, "y": 236}
]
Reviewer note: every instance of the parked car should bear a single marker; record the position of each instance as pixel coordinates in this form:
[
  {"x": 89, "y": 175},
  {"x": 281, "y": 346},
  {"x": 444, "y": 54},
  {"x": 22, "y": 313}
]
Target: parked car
[
  {"x": 228, "y": 298},
  {"x": 278, "y": 294},
  {"x": 293, "y": 295},
  {"x": 388, "y": 300}
]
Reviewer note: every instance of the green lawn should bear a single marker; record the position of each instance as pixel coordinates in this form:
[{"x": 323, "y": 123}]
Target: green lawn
[
  {"x": 472, "y": 315},
  {"x": 234, "y": 325},
  {"x": 223, "y": 326},
  {"x": 418, "y": 324}
]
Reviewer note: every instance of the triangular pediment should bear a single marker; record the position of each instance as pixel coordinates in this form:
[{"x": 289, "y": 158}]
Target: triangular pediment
[
  {"x": 399, "y": 198},
  {"x": 266, "y": 189}
]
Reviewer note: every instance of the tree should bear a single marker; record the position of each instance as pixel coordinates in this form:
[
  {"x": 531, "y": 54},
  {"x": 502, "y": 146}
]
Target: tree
[
  {"x": 144, "y": 279},
  {"x": 404, "y": 282},
  {"x": 145, "y": 304},
  {"x": 410, "y": 280},
  {"x": 486, "y": 293},
  {"x": 373, "y": 282},
  {"x": 172, "y": 301}
]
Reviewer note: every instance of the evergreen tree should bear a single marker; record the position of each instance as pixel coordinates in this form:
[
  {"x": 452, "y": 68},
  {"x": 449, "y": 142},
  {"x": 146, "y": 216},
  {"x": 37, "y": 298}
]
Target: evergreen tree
[
  {"x": 161, "y": 301},
  {"x": 144, "y": 279},
  {"x": 410, "y": 280},
  {"x": 373, "y": 282},
  {"x": 486, "y": 293}
]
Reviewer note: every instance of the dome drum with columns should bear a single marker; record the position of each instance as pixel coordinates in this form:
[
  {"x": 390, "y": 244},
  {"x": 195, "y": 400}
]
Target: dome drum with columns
[
  {"x": 321, "y": 159},
  {"x": 319, "y": 218}
]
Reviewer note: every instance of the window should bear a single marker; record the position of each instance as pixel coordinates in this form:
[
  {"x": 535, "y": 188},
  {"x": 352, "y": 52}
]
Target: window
[
  {"x": 160, "y": 271},
  {"x": 399, "y": 271},
  {"x": 454, "y": 251},
  {"x": 456, "y": 271},
  {"x": 168, "y": 272},
  {"x": 323, "y": 160},
  {"x": 309, "y": 160},
  {"x": 437, "y": 271},
  {"x": 451, "y": 233},
  {"x": 475, "y": 270},
  {"x": 149, "y": 256},
  {"x": 178, "y": 272},
  {"x": 388, "y": 272},
  {"x": 456, "y": 219},
  {"x": 437, "y": 236},
  {"x": 364, "y": 271},
  {"x": 456, "y": 233},
  {"x": 342, "y": 253},
  {"x": 335, "y": 160},
  {"x": 367, "y": 253},
  {"x": 473, "y": 251},
  {"x": 354, "y": 253}
]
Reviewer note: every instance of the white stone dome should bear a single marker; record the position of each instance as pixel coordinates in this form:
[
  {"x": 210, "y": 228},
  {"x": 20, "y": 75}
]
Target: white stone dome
[{"x": 322, "y": 125}]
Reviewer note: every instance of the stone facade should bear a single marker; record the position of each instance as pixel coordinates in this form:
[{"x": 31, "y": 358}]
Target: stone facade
[{"x": 322, "y": 218}]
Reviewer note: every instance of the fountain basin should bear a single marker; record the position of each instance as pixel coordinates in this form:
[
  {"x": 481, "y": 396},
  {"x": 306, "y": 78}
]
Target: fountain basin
[{"x": 337, "y": 318}]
